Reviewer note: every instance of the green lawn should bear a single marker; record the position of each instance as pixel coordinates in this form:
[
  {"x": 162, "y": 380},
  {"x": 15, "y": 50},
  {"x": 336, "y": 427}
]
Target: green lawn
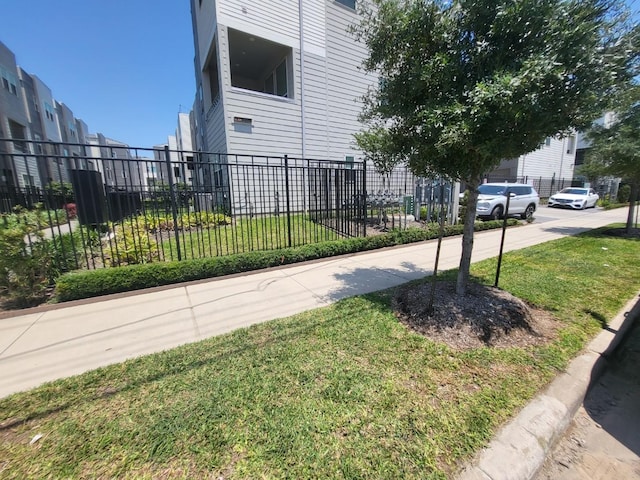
[
  {"x": 248, "y": 234},
  {"x": 339, "y": 392}
]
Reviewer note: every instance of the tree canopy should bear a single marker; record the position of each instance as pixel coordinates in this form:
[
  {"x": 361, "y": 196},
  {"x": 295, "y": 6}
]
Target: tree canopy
[
  {"x": 616, "y": 146},
  {"x": 467, "y": 83}
]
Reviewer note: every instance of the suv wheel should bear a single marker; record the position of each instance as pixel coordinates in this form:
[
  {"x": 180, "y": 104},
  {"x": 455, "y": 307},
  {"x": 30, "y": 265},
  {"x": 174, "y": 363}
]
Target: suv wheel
[
  {"x": 496, "y": 213},
  {"x": 528, "y": 213}
]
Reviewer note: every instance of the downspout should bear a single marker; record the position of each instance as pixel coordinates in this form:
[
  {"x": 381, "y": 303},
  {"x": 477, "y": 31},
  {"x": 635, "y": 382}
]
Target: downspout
[
  {"x": 302, "y": 116},
  {"x": 564, "y": 148}
]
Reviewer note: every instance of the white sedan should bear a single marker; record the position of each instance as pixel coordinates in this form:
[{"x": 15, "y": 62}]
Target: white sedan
[{"x": 576, "y": 198}]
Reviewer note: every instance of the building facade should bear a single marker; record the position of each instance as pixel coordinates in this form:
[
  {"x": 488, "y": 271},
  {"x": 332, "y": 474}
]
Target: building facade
[
  {"x": 18, "y": 168},
  {"x": 555, "y": 158},
  {"x": 276, "y": 78}
]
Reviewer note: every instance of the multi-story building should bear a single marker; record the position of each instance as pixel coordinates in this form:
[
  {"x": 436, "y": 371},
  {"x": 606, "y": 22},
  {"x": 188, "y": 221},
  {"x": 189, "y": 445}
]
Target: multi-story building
[
  {"x": 17, "y": 167},
  {"x": 120, "y": 170},
  {"x": 555, "y": 158},
  {"x": 276, "y": 78},
  {"x": 30, "y": 114}
]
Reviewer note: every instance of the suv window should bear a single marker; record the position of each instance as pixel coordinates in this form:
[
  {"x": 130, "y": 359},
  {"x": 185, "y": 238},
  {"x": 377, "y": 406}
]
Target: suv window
[
  {"x": 519, "y": 190},
  {"x": 491, "y": 189}
]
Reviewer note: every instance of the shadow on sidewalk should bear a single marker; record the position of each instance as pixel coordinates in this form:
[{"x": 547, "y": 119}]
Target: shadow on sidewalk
[{"x": 364, "y": 280}]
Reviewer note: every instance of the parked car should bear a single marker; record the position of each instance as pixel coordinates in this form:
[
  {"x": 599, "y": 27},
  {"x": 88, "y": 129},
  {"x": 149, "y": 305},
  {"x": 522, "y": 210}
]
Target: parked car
[
  {"x": 576, "y": 198},
  {"x": 492, "y": 201}
]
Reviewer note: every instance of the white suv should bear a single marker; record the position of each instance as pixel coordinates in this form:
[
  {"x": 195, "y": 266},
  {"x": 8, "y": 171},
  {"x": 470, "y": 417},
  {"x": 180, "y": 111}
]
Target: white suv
[{"x": 492, "y": 200}]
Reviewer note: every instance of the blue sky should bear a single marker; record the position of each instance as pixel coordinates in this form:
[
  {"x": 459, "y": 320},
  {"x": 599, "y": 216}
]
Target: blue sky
[{"x": 123, "y": 66}]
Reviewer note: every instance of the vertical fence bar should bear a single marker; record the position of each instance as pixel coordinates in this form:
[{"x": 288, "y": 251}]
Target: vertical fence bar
[
  {"x": 172, "y": 194},
  {"x": 286, "y": 186},
  {"x": 364, "y": 198}
]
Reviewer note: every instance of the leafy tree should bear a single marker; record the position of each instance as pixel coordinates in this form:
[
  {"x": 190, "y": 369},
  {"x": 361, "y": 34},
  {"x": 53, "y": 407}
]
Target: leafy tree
[
  {"x": 466, "y": 83},
  {"x": 61, "y": 190},
  {"x": 617, "y": 146},
  {"x": 379, "y": 150},
  {"x": 593, "y": 169}
]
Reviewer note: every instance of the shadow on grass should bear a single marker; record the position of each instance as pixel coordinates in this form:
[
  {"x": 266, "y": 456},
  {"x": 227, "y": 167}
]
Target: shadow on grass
[{"x": 601, "y": 319}]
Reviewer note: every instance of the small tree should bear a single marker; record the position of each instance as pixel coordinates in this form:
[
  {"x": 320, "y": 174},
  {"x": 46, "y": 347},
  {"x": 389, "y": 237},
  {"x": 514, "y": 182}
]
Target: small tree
[
  {"x": 593, "y": 169},
  {"x": 467, "y": 83},
  {"x": 617, "y": 146},
  {"x": 379, "y": 150}
]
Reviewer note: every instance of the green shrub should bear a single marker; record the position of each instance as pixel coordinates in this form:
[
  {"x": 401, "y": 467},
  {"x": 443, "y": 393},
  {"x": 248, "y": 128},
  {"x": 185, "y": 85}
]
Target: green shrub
[
  {"x": 131, "y": 245},
  {"x": 25, "y": 261},
  {"x": 68, "y": 250},
  {"x": 624, "y": 192},
  {"x": 86, "y": 284}
]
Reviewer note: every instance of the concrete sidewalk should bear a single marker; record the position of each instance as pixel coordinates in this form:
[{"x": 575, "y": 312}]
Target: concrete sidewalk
[{"x": 67, "y": 340}]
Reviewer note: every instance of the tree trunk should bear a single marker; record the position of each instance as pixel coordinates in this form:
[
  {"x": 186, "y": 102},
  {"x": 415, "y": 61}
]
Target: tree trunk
[
  {"x": 467, "y": 238},
  {"x": 633, "y": 196}
]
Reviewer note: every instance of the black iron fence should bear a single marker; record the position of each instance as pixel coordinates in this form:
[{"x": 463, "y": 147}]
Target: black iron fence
[{"x": 111, "y": 205}]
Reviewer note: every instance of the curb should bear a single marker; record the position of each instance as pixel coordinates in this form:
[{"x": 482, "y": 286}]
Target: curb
[{"x": 520, "y": 448}]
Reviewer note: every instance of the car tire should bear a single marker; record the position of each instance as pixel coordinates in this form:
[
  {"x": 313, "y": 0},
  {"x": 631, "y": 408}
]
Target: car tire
[
  {"x": 496, "y": 213},
  {"x": 584, "y": 205},
  {"x": 528, "y": 213}
]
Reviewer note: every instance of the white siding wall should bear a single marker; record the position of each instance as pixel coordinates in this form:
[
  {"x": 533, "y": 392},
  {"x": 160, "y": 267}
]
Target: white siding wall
[
  {"x": 316, "y": 107},
  {"x": 215, "y": 129},
  {"x": 548, "y": 161},
  {"x": 313, "y": 21},
  {"x": 275, "y": 126},
  {"x": 205, "y": 23},
  {"x": 346, "y": 83},
  {"x": 275, "y": 20}
]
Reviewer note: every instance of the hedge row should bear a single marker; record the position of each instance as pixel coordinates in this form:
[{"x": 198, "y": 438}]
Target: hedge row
[{"x": 93, "y": 283}]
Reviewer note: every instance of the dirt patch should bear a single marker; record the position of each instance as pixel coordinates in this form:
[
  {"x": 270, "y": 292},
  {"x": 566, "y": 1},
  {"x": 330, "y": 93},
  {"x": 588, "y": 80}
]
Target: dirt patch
[{"x": 485, "y": 316}]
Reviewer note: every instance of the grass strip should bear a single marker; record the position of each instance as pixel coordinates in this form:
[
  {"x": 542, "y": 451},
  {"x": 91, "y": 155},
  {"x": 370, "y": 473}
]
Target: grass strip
[{"x": 338, "y": 392}]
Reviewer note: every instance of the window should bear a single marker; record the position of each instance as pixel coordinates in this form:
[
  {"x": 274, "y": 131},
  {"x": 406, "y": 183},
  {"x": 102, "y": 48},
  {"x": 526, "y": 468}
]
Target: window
[
  {"x": 276, "y": 82},
  {"x": 547, "y": 142},
  {"x": 176, "y": 172},
  {"x": 17, "y": 131},
  {"x": 7, "y": 177},
  {"x": 38, "y": 146},
  {"x": 571, "y": 144},
  {"x": 218, "y": 179},
  {"x": 9, "y": 81},
  {"x": 260, "y": 65},
  {"x": 347, "y": 3},
  {"x": 28, "y": 180},
  {"x": 211, "y": 71},
  {"x": 49, "y": 112}
]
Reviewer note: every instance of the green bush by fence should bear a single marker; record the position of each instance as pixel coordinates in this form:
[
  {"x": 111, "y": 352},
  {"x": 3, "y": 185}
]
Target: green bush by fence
[{"x": 87, "y": 284}]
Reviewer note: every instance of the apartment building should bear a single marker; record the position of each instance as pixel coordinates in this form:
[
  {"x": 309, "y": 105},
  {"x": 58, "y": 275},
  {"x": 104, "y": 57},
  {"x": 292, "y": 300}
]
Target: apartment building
[
  {"x": 29, "y": 112},
  {"x": 279, "y": 77},
  {"x": 14, "y": 124},
  {"x": 120, "y": 170},
  {"x": 555, "y": 158}
]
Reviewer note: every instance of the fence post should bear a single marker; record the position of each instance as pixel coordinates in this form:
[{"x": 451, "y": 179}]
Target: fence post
[
  {"x": 174, "y": 204},
  {"x": 286, "y": 184},
  {"x": 364, "y": 198},
  {"x": 504, "y": 229}
]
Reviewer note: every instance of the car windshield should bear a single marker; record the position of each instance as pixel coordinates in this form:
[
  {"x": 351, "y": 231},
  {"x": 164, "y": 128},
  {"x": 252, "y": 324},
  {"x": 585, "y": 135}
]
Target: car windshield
[
  {"x": 492, "y": 189},
  {"x": 574, "y": 191}
]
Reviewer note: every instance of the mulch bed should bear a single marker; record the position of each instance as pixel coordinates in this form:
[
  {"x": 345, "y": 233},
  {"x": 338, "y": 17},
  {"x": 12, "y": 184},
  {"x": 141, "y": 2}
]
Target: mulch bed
[{"x": 485, "y": 316}]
